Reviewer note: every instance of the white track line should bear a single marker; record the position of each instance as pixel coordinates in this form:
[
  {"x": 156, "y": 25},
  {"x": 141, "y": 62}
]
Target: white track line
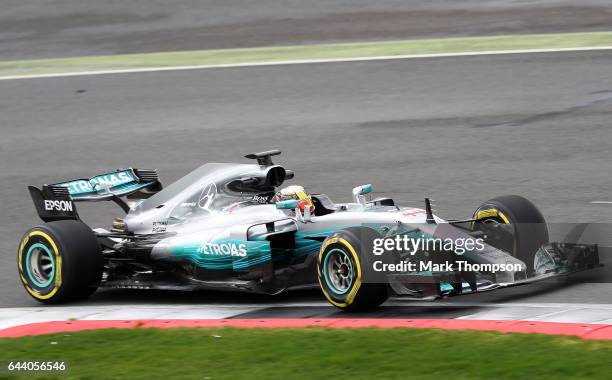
[
  {"x": 407, "y": 302},
  {"x": 303, "y": 61}
]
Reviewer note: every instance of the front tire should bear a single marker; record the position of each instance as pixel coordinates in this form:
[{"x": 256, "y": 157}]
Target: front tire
[
  {"x": 343, "y": 273},
  {"x": 529, "y": 230},
  {"x": 60, "y": 261}
]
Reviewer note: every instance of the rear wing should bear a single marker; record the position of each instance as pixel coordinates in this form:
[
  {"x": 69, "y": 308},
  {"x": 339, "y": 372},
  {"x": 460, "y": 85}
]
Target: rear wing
[{"x": 56, "y": 201}]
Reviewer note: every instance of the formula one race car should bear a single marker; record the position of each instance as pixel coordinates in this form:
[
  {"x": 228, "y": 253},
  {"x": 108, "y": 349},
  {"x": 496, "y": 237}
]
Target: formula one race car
[{"x": 227, "y": 226}]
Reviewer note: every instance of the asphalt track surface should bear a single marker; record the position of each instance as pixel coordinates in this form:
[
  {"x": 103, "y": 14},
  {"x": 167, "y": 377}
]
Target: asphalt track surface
[
  {"x": 62, "y": 28},
  {"x": 460, "y": 130}
]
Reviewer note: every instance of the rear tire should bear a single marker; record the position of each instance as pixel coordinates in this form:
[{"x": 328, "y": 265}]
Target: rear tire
[
  {"x": 529, "y": 226},
  {"x": 342, "y": 270},
  {"x": 60, "y": 261}
]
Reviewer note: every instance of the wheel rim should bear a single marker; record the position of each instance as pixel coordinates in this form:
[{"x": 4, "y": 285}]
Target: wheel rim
[
  {"x": 40, "y": 265},
  {"x": 339, "y": 272},
  {"x": 499, "y": 220}
]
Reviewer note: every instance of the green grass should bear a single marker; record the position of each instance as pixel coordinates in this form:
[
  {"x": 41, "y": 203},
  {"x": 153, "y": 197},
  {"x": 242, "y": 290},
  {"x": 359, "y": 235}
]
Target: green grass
[
  {"x": 315, "y": 353},
  {"x": 304, "y": 52}
]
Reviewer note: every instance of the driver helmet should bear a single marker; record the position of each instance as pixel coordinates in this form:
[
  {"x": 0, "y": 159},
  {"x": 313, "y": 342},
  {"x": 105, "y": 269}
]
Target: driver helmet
[{"x": 295, "y": 192}]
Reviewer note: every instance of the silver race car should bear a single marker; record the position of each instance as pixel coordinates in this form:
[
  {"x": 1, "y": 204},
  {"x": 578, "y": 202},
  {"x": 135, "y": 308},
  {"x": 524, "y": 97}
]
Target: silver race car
[{"x": 232, "y": 227}]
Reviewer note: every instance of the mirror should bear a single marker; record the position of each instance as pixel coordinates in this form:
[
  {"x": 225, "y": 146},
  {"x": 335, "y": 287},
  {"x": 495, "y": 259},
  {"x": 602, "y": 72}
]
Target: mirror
[{"x": 359, "y": 193}]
